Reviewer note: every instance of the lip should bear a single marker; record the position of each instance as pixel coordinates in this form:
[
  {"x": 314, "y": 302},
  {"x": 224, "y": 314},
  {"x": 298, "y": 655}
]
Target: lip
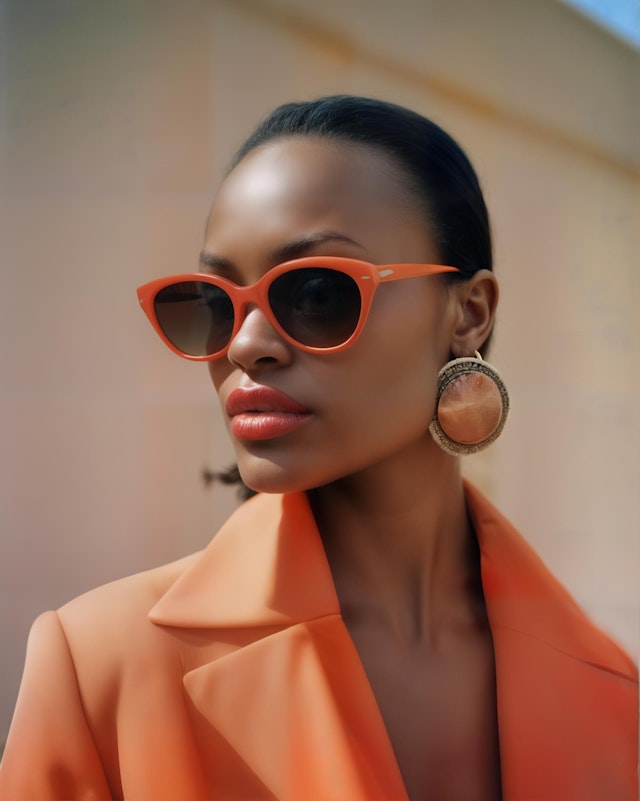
[{"x": 262, "y": 412}]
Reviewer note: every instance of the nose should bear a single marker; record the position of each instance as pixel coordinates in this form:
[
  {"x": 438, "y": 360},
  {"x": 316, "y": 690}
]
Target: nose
[{"x": 258, "y": 344}]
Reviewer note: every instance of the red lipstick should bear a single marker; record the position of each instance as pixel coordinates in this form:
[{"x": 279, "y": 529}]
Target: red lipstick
[{"x": 262, "y": 412}]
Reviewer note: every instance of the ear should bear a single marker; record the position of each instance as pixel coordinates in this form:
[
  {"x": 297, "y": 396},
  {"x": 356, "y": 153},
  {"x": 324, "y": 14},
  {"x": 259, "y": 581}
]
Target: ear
[{"x": 477, "y": 300}]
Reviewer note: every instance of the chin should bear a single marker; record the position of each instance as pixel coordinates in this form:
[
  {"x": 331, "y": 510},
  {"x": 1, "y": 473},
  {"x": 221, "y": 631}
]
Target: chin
[{"x": 263, "y": 476}]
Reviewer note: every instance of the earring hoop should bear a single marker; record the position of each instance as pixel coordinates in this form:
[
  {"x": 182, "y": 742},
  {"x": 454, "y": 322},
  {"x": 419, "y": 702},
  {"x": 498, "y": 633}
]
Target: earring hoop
[{"x": 472, "y": 405}]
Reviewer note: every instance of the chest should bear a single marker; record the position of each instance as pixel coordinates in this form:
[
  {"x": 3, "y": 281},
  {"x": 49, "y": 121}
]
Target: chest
[{"x": 438, "y": 704}]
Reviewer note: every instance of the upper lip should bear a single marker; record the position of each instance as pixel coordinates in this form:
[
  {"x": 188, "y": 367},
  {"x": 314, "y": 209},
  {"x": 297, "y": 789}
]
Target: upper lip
[{"x": 261, "y": 399}]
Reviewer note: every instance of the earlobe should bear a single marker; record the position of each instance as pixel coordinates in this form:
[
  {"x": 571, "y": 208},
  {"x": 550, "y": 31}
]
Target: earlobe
[{"x": 477, "y": 303}]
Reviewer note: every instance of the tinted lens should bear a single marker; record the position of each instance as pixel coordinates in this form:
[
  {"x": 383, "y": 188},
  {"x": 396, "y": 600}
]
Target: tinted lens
[
  {"x": 196, "y": 317},
  {"x": 316, "y": 306}
]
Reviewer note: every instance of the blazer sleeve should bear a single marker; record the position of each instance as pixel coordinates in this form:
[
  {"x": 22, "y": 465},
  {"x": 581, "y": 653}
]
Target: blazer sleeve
[{"x": 50, "y": 753}]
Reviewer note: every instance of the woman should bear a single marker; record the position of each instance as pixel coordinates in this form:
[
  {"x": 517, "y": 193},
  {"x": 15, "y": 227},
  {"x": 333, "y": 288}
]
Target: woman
[{"x": 368, "y": 626}]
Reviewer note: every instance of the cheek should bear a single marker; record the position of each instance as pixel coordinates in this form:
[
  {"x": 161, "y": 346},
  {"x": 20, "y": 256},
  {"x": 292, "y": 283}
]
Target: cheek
[
  {"x": 407, "y": 342},
  {"x": 395, "y": 392},
  {"x": 389, "y": 378}
]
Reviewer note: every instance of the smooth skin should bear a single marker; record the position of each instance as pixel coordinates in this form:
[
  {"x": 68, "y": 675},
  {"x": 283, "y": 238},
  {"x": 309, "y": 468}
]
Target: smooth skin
[{"x": 388, "y": 502}]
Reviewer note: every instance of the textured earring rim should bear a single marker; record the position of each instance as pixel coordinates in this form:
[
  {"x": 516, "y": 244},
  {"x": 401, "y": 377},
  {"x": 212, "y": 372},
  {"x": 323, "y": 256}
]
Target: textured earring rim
[{"x": 452, "y": 370}]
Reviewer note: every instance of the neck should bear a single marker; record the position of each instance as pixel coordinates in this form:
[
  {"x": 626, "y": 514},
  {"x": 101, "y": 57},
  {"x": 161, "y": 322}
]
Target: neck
[{"x": 400, "y": 545}]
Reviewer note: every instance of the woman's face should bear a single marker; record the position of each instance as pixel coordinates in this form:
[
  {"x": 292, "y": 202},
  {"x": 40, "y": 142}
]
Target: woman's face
[{"x": 356, "y": 408}]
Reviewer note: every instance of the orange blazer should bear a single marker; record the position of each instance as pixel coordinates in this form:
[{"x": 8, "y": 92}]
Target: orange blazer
[{"x": 230, "y": 675}]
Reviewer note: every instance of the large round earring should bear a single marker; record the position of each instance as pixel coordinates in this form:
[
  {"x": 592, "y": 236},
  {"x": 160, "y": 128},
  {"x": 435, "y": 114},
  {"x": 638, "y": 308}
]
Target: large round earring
[{"x": 471, "y": 406}]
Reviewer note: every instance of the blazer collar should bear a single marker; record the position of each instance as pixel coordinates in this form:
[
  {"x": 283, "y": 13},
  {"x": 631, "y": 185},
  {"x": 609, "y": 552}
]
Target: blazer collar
[
  {"x": 266, "y": 566},
  {"x": 523, "y": 596},
  {"x": 294, "y": 700}
]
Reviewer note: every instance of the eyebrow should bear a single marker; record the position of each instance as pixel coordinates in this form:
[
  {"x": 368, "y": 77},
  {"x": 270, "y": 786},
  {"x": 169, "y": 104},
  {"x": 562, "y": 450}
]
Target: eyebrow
[
  {"x": 298, "y": 247},
  {"x": 215, "y": 263},
  {"x": 294, "y": 249}
]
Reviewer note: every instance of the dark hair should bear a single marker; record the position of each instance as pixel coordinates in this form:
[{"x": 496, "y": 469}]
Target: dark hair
[{"x": 437, "y": 169}]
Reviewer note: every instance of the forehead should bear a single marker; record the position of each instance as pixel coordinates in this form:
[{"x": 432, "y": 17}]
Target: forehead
[
  {"x": 294, "y": 186},
  {"x": 292, "y": 163}
]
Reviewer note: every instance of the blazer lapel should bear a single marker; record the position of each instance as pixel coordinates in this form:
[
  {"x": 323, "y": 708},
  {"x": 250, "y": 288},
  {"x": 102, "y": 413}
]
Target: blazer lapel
[
  {"x": 565, "y": 691},
  {"x": 293, "y": 700}
]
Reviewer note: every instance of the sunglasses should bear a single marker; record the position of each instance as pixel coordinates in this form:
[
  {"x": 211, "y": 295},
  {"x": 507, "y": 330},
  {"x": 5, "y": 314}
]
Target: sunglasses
[{"x": 319, "y": 304}]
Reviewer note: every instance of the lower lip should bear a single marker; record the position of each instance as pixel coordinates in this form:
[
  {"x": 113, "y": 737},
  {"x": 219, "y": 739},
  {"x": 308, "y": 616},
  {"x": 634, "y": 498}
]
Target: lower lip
[{"x": 265, "y": 425}]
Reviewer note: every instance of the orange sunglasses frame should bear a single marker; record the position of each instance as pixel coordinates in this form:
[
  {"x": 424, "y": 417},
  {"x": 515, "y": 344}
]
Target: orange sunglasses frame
[{"x": 366, "y": 276}]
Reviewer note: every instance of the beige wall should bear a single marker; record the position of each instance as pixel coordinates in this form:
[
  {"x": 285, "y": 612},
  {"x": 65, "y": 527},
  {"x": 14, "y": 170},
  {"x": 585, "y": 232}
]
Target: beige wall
[{"x": 115, "y": 121}]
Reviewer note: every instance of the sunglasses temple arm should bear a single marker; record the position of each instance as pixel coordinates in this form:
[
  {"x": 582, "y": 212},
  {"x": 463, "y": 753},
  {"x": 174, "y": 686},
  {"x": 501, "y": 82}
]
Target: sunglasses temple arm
[{"x": 396, "y": 272}]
